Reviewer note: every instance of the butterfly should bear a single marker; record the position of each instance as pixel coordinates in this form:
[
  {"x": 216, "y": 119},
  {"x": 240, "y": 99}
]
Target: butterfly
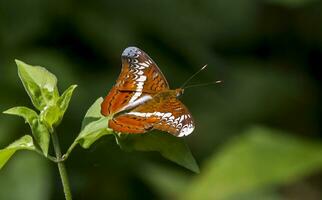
[{"x": 141, "y": 99}]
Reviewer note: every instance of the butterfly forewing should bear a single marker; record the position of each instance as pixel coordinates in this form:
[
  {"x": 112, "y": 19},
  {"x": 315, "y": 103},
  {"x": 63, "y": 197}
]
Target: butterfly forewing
[
  {"x": 139, "y": 80},
  {"x": 138, "y": 68},
  {"x": 164, "y": 112}
]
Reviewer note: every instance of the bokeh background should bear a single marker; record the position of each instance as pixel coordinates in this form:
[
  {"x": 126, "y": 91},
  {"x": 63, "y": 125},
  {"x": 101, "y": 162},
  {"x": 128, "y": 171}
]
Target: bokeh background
[{"x": 257, "y": 136}]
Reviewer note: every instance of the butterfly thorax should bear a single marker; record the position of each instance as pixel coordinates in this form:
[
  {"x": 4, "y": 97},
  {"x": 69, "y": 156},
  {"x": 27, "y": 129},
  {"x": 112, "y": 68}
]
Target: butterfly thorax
[{"x": 166, "y": 94}]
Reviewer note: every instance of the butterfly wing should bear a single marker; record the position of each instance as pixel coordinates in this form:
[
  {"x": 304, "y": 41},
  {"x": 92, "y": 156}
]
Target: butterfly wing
[
  {"x": 165, "y": 114},
  {"x": 140, "y": 78}
]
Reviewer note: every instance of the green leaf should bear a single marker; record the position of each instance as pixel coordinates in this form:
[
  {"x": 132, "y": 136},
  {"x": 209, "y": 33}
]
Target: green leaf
[
  {"x": 65, "y": 98},
  {"x": 93, "y": 113},
  {"x": 260, "y": 159},
  {"x": 24, "y": 142},
  {"x": 28, "y": 114},
  {"x": 170, "y": 147},
  {"x": 40, "y": 84},
  {"x": 42, "y": 135},
  {"x": 166, "y": 181},
  {"x": 94, "y": 125},
  {"x": 50, "y": 116},
  {"x": 93, "y": 131},
  {"x": 39, "y": 129}
]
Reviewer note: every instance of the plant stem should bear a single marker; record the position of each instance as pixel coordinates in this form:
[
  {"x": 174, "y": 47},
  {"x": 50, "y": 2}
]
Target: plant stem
[
  {"x": 61, "y": 167},
  {"x": 70, "y": 149}
]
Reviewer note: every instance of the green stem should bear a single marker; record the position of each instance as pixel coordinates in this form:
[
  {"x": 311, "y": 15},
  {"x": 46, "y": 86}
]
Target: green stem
[
  {"x": 61, "y": 167},
  {"x": 70, "y": 149}
]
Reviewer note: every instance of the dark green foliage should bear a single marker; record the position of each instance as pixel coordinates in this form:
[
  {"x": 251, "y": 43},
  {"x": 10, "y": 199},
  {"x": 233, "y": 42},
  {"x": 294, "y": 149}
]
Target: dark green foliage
[{"x": 268, "y": 54}]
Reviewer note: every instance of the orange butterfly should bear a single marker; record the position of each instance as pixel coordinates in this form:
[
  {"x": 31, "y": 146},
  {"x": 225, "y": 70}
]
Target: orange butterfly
[{"x": 141, "y": 99}]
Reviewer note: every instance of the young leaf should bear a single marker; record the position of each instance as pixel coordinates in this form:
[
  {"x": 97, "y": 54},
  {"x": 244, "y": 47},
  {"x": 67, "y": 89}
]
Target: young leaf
[
  {"x": 42, "y": 135},
  {"x": 28, "y": 114},
  {"x": 64, "y": 99},
  {"x": 39, "y": 130},
  {"x": 24, "y": 142},
  {"x": 258, "y": 160},
  {"x": 170, "y": 147},
  {"x": 40, "y": 84},
  {"x": 50, "y": 115}
]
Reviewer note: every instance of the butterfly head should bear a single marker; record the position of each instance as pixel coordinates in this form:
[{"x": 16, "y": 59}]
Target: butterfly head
[{"x": 179, "y": 92}]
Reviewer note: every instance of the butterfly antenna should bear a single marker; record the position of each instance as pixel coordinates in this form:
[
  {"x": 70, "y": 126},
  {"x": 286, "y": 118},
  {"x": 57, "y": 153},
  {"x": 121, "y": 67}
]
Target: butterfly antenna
[
  {"x": 203, "y": 84},
  {"x": 191, "y": 77}
]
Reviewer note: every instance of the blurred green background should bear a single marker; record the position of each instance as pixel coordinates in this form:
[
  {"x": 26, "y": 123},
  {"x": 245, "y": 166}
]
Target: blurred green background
[{"x": 257, "y": 136}]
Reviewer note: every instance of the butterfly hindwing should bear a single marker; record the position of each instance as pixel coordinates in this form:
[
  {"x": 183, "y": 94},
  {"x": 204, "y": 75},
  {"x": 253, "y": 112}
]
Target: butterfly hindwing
[
  {"x": 140, "y": 78},
  {"x": 114, "y": 101},
  {"x": 163, "y": 112}
]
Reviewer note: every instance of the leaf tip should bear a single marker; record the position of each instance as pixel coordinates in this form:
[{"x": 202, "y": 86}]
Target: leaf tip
[
  {"x": 7, "y": 112},
  {"x": 19, "y": 62},
  {"x": 73, "y": 87},
  {"x": 196, "y": 169}
]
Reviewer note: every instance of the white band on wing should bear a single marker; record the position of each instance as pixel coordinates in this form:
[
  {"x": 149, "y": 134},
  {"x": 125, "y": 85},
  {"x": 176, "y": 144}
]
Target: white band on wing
[{"x": 139, "y": 101}]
